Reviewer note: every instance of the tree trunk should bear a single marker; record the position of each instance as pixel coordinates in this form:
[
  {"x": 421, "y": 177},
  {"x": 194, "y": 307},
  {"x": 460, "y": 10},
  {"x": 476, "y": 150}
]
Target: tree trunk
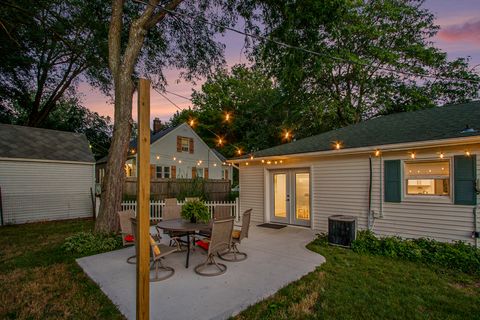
[{"x": 112, "y": 189}]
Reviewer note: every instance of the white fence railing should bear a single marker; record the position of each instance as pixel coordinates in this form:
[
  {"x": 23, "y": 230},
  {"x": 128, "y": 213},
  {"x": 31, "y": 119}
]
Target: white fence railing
[{"x": 156, "y": 207}]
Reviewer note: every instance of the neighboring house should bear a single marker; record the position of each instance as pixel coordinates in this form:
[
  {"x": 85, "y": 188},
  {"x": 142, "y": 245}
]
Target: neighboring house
[
  {"x": 176, "y": 152},
  {"x": 410, "y": 174},
  {"x": 44, "y": 174}
]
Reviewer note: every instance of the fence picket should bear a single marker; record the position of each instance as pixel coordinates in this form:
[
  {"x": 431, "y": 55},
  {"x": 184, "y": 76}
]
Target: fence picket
[{"x": 156, "y": 207}]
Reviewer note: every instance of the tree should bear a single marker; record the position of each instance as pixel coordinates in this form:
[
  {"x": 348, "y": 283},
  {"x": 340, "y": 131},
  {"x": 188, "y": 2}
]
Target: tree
[
  {"x": 258, "y": 112},
  {"x": 46, "y": 47},
  {"x": 143, "y": 39},
  {"x": 371, "y": 59}
]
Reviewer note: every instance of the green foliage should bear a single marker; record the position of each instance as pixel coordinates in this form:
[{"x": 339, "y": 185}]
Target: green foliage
[
  {"x": 458, "y": 255},
  {"x": 193, "y": 188},
  {"x": 46, "y": 47},
  {"x": 258, "y": 111},
  {"x": 195, "y": 209},
  {"x": 88, "y": 243},
  {"x": 362, "y": 46}
]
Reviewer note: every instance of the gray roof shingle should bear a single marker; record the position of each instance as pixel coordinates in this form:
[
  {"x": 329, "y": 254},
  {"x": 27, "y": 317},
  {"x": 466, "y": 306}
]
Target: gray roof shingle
[
  {"x": 429, "y": 124},
  {"x": 44, "y": 144}
]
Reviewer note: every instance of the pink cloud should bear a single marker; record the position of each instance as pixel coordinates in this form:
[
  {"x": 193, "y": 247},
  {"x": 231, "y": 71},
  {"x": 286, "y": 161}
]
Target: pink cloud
[{"x": 468, "y": 31}]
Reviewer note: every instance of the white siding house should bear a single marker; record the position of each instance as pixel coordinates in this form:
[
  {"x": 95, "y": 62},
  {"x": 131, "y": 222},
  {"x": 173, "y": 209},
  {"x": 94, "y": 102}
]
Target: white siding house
[
  {"x": 178, "y": 152},
  {"x": 44, "y": 175},
  {"x": 411, "y": 174}
]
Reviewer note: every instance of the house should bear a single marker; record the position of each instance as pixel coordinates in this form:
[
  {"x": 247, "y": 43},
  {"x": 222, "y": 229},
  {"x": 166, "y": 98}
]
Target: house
[
  {"x": 410, "y": 174},
  {"x": 44, "y": 175},
  {"x": 176, "y": 152}
]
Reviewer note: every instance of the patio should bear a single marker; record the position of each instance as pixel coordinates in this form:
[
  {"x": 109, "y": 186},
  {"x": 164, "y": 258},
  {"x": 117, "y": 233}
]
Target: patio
[{"x": 275, "y": 258}]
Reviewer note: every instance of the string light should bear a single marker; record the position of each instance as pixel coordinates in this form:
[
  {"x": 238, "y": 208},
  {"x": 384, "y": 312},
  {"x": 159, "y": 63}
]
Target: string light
[
  {"x": 281, "y": 161},
  {"x": 179, "y": 161},
  {"x": 413, "y": 155},
  {"x": 251, "y": 157},
  {"x": 227, "y": 116},
  {"x": 174, "y": 158},
  {"x": 191, "y": 122},
  {"x": 133, "y": 151},
  {"x": 287, "y": 135},
  {"x": 269, "y": 162},
  {"x": 263, "y": 161},
  {"x": 158, "y": 157},
  {"x": 442, "y": 155},
  {"x": 377, "y": 153},
  {"x": 220, "y": 141},
  {"x": 337, "y": 145},
  {"x": 239, "y": 151},
  {"x": 246, "y": 163}
]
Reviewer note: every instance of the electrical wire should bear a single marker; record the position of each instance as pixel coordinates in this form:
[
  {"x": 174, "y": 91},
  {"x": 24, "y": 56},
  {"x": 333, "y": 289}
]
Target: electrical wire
[{"x": 286, "y": 45}]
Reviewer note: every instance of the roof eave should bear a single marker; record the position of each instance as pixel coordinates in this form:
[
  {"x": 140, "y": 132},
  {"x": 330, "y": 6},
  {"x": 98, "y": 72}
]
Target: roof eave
[{"x": 370, "y": 149}]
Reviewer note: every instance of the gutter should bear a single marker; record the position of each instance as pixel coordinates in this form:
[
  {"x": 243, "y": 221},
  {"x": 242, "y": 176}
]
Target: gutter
[
  {"x": 46, "y": 160},
  {"x": 360, "y": 150}
]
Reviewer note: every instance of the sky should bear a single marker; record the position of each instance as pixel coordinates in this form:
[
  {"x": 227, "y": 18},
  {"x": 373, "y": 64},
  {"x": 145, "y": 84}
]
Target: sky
[{"x": 459, "y": 36}]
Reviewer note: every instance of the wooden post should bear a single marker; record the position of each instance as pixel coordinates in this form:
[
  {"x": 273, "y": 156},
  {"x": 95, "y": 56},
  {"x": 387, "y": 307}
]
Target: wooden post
[{"x": 143, "y": 201}]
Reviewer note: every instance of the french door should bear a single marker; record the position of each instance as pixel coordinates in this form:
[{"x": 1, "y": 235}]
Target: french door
[{"x": 290, "y": 200}]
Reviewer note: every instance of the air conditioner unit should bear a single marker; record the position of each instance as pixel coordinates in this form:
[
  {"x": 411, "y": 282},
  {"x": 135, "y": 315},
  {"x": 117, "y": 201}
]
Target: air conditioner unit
[{"x": 342, "y": 230}]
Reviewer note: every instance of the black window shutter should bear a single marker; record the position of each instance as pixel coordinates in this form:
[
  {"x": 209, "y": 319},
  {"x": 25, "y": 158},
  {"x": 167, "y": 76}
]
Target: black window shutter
[
  {"x": 393, "y": 181},
  {"x": 465, "y": 173}
]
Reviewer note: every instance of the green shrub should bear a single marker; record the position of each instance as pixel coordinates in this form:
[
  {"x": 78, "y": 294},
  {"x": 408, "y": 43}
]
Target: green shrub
[
  {"x": 87, "y": 243},
  {"x": 195, "y": 209},
  {"x": 457, "y": 256}
]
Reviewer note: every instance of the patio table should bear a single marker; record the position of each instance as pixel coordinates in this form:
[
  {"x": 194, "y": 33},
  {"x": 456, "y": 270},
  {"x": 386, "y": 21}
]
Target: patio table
[{"x": 183, "y": 226}]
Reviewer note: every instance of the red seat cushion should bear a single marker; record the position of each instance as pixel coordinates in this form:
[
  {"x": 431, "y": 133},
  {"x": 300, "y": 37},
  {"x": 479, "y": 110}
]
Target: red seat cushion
[
  {"x": 203, "y": 244},
  {"x": 129, "y": 238}
]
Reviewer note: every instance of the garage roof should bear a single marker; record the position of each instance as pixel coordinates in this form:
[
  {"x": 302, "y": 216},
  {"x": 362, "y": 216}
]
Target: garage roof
[
  {"x": 43, "y": 144},
  {"x": 450, "y": 121}
]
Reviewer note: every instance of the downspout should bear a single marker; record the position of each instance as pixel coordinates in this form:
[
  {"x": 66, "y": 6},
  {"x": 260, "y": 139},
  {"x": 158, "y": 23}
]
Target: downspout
[
  {"x": 1, "y": 208},
  {"x": 475, "y": 229},
  {"x": 369, "y": 214},
  {"x": 380, "y": 215}
]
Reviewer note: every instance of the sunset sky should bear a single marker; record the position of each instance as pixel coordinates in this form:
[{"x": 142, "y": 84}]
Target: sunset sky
[{"x": 459, "y": 36}]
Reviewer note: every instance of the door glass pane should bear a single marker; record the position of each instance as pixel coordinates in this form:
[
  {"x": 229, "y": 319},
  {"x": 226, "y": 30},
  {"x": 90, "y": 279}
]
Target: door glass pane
[
  {"x": 280, "y": 195},
  {"x": 302, "y": 196}
]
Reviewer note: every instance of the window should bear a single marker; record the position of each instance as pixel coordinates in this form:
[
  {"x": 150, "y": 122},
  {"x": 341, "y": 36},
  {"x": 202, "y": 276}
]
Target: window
[
  {"x": 162, "y": 172},
  {"x": 185, "y": 144},
  {"x": 427, "y": 178},
  {"x": 200, "y": 173}
]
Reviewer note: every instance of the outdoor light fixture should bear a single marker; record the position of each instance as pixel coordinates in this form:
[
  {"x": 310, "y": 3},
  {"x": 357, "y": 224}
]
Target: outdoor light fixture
[
  {"x": 191, "y": 122},
  {"x": 179, "y": 161},
  {"x": 442, "y": 155},
  {"x": 133, "y": 151},
  {"x": 377, "y": 153},
  {"x": 158, "y": 157},
  {"x": 467, "y": 153},
  {"x": 413, "y": 155},
  {"x": 214, "y": 164},
  {"x": 174, "y": 158},
  {"x": 246, "y": 163}
]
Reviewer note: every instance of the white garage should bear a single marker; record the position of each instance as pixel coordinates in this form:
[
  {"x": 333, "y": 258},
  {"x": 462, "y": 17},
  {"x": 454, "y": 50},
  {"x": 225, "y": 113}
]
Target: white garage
[{"x": 44, "y": 175}]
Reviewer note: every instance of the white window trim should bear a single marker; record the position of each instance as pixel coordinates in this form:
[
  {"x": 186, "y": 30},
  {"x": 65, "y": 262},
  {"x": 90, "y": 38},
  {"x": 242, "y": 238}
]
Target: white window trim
[
  {"x": 427, "y": 198},
  {"x": 182, "y": 139}
]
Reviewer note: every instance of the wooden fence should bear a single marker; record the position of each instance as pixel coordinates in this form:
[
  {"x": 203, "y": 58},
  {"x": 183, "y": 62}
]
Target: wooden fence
[
  {"x": 160, "y": 189},
  {"x": 156, "y": 207}
]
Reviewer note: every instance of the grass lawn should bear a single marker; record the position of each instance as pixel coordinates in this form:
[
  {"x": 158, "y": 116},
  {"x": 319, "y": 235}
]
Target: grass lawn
[
  {"x": 354, "y": 286},
  {"x": 38, "y": 280}
]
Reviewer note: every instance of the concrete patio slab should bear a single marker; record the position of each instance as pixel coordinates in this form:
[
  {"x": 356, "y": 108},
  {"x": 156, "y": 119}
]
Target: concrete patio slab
[{"x": 275, "y": 258}]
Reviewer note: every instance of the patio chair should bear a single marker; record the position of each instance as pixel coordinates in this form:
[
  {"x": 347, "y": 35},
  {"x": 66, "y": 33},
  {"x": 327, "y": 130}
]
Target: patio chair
[
  {"x": 126, "y": 231},
  {"x": 219, "y": 242},
  {"x": 157, "y": 253},
  {"x": 172, "y": 210},
  {"x": 233, "y": 254},
  {"x": 219, "y": 212}
]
